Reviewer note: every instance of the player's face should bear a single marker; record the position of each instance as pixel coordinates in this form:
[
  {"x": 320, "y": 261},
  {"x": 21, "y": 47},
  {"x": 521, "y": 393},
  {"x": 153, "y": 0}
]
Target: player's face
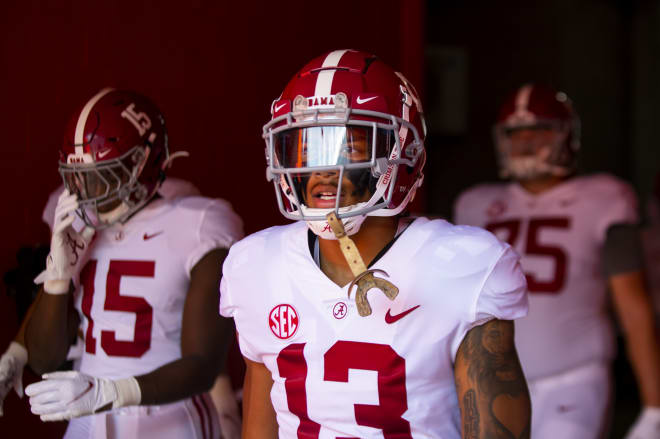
[
  {"x": 531, "y": 141},
  {"x": 96, "y": 184},
  {"x": 322, "y": 187},
  {"x": 328, "y": 148}
]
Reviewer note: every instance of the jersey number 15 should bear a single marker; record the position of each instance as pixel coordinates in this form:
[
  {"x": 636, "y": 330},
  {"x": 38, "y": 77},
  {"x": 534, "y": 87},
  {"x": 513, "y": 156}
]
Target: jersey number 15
[{"x": 114, "y": 301}]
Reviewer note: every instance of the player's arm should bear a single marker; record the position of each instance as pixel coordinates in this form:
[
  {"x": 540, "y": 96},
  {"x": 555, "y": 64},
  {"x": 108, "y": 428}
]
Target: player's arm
[
  {"x": 259, "y": 420},
  {"x": 635, "y": 311},
  {"x": 623, "y": 264},
  {"x": 50, "y": 328},
  {"x": 204, "y": 340},
  {"x": 54, "y": 321},
  {"x": 13, "y": 361},
  {"x": 491, "y": 388}
]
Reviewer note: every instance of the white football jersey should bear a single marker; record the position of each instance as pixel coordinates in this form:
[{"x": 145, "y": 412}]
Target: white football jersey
[
  {"x": 560, "y": 234},
  {"x": 133, "y": 284},
  {"x": 390, "y": 374}
]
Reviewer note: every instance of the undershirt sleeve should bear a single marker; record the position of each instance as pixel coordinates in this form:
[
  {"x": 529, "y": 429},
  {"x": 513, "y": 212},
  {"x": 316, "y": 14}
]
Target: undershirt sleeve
[{"x": 622, "y": 251}]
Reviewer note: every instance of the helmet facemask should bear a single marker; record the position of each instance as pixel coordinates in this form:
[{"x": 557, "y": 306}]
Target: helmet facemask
[
  {"x": 310, "y": 151},
  {"x": 108, "y": 191},
  {"x": 532, "y": 151}
]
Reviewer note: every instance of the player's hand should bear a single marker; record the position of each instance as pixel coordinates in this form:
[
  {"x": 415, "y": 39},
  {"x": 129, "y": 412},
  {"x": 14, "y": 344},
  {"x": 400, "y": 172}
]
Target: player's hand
[
  {"x": 227, "y": 408},
  {"x": 66, "y": 395},
  {"x": 647, "y": 425},
  {"x": 12, "y": 363},
  {"x": 67, "y": 247}
]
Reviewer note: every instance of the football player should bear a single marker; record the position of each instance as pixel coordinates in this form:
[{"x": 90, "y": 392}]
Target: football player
[
  {"x": 429, "y": 351},
  {"x": 577, "y": 237},
  {"x": 14, "y": 359},
  {"x": 143, "y": 274}
]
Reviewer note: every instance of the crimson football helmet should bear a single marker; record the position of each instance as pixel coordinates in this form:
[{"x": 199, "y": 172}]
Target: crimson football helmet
[
  {"x": 345, "y": 114},
  {"x": 537, "y": 134},
  {"x": 114, "y": 156}
]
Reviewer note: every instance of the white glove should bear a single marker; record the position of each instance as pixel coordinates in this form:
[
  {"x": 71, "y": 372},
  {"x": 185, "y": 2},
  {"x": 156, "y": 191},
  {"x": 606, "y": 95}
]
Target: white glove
[
  {"x": 227, "y": 408},
  {"x": 11, "y": 370},
  {"x": 66, "y": 395},
  {"x": 647, "y": 425},
  {"x": 67, "y": 247}
]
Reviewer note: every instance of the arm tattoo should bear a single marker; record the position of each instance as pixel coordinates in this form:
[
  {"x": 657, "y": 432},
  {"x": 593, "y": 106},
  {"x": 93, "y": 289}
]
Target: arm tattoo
[
  {"x": 471, "y": 416},
  {"x": 495, "y": 399}
]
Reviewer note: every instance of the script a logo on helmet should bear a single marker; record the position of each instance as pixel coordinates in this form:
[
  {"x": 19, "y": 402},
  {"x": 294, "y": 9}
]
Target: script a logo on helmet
[{"x": 283, "y": 321}]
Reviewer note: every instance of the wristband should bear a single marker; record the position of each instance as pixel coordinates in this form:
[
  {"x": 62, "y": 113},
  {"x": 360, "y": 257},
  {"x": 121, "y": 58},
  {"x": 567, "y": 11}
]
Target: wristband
[{"x": 128, "y": 392}]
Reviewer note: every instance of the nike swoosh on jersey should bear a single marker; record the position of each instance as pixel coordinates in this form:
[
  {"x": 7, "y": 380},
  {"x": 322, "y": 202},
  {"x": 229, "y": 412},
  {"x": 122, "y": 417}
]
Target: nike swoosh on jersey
[
  {"x": 389, "y": 318},
  {"x": 147, "y": 237}
]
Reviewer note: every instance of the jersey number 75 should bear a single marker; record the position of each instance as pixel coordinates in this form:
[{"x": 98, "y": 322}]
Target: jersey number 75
[{"x": 532, "y": 246}]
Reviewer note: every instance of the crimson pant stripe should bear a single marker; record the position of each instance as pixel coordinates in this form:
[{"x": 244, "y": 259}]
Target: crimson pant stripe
[
  {"x": 201, "y": 414},
  {"x": 209, "y": 414}
]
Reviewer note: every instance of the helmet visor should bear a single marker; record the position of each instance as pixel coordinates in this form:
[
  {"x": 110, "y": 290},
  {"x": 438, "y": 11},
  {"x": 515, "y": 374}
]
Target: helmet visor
[
  {"x": 322, "y": 146},
  {"x": 330, "y": 166},
  {"x": 529, "y": 140},
  {"x": 531, "y": 151}
]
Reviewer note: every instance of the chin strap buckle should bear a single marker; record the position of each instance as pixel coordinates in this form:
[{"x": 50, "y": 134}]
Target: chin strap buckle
[{"x": 364, "y": 279}]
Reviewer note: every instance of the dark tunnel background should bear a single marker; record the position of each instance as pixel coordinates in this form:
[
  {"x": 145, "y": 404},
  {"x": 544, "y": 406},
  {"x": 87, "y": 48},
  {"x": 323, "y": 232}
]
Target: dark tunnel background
[{"x": 214, "y": 68}]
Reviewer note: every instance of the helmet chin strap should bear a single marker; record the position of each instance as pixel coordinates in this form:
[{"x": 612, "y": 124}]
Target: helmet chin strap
[
  {"x": 364, "y": 279},
  {"x": 323, "y": 230}
]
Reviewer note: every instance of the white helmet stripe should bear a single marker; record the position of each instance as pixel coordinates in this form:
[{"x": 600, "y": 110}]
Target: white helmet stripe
[
  {"x": 78, "y": 139},
  {"x": 324, "y": 79},
  {"x": 522, "y": 99}
]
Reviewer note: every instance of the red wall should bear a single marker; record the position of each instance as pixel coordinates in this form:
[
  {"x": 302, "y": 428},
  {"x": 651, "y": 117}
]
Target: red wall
[{"x": 212, "y": 67}]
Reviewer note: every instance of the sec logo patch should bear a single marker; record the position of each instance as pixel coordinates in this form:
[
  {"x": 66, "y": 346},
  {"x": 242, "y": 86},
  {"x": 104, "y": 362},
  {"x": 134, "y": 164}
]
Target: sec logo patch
[{"x": 283, "y": 321}]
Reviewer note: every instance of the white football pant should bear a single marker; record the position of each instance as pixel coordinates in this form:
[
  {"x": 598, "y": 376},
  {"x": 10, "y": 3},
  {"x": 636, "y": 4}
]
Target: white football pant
[
  {"x": 193, "y": 418},
  {"x": 572, "y": 405}
]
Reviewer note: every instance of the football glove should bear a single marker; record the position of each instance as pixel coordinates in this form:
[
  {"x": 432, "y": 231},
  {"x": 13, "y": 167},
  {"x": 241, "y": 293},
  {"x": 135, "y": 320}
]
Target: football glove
[
  {"x": 12, "y": 363},
  {"x": 67, "y": 247},
  {"x": 647, "y": 425},
  {"x": 66, "y": 395}
]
